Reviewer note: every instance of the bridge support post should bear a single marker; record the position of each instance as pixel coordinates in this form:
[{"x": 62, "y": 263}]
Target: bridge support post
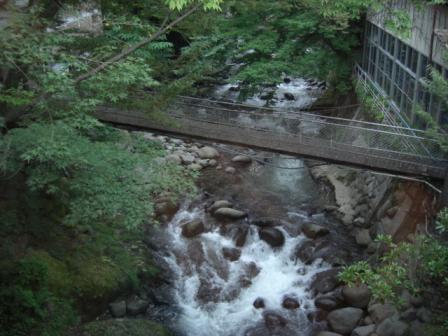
[{"x": 444, "y": 196}]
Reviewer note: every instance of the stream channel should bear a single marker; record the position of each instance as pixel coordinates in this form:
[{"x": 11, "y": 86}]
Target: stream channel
[{"x": 246, "y": 276}]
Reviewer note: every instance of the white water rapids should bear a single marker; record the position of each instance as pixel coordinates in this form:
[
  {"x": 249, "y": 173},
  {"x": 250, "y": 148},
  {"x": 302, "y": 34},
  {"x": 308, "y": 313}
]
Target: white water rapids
[{"x": 232, "y": 312}]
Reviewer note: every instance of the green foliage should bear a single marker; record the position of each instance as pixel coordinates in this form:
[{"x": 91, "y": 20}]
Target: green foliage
[
  {"x": 438, "y": 86},
  {"x": 442, "y": 221},
  {"x": 413, "y": 266},
  {"x": 120, "y": 327},
  {"x": 28, "y": 306},
  {"x": 268, "y": 39},
  {"x": 93, "y": 180},
  {"x": 369, "y": 103},
  {"x": 78, "y": 189}
]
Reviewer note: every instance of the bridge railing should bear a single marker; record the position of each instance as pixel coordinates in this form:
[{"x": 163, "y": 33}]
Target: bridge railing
[{"x": 358, "y": 136}]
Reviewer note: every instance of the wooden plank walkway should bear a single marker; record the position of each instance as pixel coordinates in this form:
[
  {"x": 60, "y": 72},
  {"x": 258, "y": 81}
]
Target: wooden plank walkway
[{"x": 300, "y": 145}]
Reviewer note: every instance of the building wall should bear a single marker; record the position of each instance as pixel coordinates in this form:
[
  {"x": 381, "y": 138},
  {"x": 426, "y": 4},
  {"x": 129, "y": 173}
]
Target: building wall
[
  {"x": 422, "y": 26},
  {"x": 399, "y": 66}
]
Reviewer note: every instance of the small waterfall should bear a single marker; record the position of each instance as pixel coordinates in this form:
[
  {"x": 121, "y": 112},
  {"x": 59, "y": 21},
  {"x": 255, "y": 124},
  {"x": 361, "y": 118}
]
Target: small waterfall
[{"x": 216, "y": 296}]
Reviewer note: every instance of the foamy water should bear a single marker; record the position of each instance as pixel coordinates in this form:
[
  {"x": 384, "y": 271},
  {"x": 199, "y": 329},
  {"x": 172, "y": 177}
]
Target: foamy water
[{"x": 231, "y": 311}]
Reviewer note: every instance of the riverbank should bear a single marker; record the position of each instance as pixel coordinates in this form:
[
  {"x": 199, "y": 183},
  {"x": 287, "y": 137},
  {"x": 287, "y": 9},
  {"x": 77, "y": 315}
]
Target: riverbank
[{"x": 257, "y": 220}]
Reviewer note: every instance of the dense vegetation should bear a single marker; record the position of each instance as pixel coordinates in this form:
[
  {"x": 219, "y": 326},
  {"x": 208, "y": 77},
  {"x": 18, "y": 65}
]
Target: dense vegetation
[{"x": 76, "y": 194}]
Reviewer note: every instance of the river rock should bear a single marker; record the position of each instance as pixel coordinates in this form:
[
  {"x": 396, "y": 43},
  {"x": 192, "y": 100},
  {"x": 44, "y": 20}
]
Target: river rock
[
  {"x": 357, "y": 296},
  {"x": 208, "y": 152},
  {"x": 118, "y": 309},
  {"x": 220, "y": 204},
  {"x": 212, "y": 163},
  {"x": 195, "y": 167},
  {"x": 344, "y": 320},
  {"x": 327, "y": 303},
  {"x": 331, "y": 252},
  {"x": 166, "y": 207},
  {"x": 289, "y": 96},
  {"x": 187, "y": 158},
  {"x": 378, "y": 312},
  {"x": 392, "y": 327},
  {"x": 173, "y": 158},
  {"x": 265, "y": 222},
  {"x": 305, "y": 251},
  {"x": 229, "y": 213},
  {"x": 232, "y": 254},
  {"x": 242, "y": 159},
  {"x": 290, "y": 303},
  {"x": 274, "y": 320},
  {"x": 259, "y": 303},
  {"x": 363, "y": 237},
  {"x": 193, "y": 228},
  {"x": 326, "y": 281},
  {"x": 230, "y": 170},
  {"x": 272, "y": 236},
  {"x": 424, "y": 315},
  {"x": 313, "y": 230},
  {"x": 204, "y": 163},
  {"x": 136, "y": 306},
  {"x": 363, "y": 331},
  {"x": 328, "y": 333},
  {"x": 241, "y": 236},
  {"x": 409, "y": 315}
]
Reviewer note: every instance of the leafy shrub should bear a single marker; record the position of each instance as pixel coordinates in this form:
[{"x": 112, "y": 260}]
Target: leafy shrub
[
  {"x": 415, "y": 266},
  {"x": 28, "y": 307}
]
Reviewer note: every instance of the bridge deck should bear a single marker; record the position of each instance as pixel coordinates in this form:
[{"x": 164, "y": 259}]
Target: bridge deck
[{"x": 190, "y": 121}]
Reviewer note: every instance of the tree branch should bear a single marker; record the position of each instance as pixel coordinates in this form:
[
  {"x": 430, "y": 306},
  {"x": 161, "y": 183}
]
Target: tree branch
[
  {"x": 126, "y": 52},
  {"x": 133, "y": 48}
]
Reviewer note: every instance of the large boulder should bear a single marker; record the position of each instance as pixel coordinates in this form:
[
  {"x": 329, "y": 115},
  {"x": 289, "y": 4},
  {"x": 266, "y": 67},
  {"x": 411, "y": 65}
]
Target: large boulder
[
  {"x": 193, "y": 228},
  {"x": 273, "y": 320},
  {"x": 290, "y": 303},
  {"x": 327, "y": 303},
  {"x": 187, "y": 158},
  {"x": 230, "y": 253},
  {"x": 229, "y": 213},
  {"x": 364, "y": 330},
  {"x": 289, "y": 96},
  {"x": 392, "y": 327},
  {"x": 173, "y": 158},
  {"x": 344, "y": 320},
  {"x": 357, "y": 296},
  {"x": 242, "y": 159},
  {"x": 208, "y": 152},
  {"x": 166, "y": 207},
  {"x": 136, "y": 306},
  {"x": 305, "y": 251},
  {"x": 259, "y": 303},
  {"x": 326, "y": 281},
  {"x": 230, "y": 170},
  {"x": 220, "y": 204},
  {"x": 272, "y": 236},
  {"x": 118, "y": 309},
  {"x": 378, "y": 312},
  {"x": 240, "y": 236},
  {"x": 363, "y": 237},
  {"x": 314, "y": 231}
]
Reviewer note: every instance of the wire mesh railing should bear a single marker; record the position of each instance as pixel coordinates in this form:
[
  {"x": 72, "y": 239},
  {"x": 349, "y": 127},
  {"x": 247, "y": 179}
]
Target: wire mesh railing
[{"x": 385, "y": 140}]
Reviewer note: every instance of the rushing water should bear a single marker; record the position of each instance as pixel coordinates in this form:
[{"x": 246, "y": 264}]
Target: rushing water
[
  {"x": 303, "y": 92},
  {"x": 214, "y": 295}
]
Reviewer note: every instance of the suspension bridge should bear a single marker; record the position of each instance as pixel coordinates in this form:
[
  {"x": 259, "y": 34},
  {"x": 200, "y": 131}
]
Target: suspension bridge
[{"x": 311, "y": 134}]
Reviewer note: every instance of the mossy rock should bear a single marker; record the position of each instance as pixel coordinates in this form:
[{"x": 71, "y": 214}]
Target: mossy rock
[
  {"x": 59, "y": 277},
  {"x": 124, "y": 327}
]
